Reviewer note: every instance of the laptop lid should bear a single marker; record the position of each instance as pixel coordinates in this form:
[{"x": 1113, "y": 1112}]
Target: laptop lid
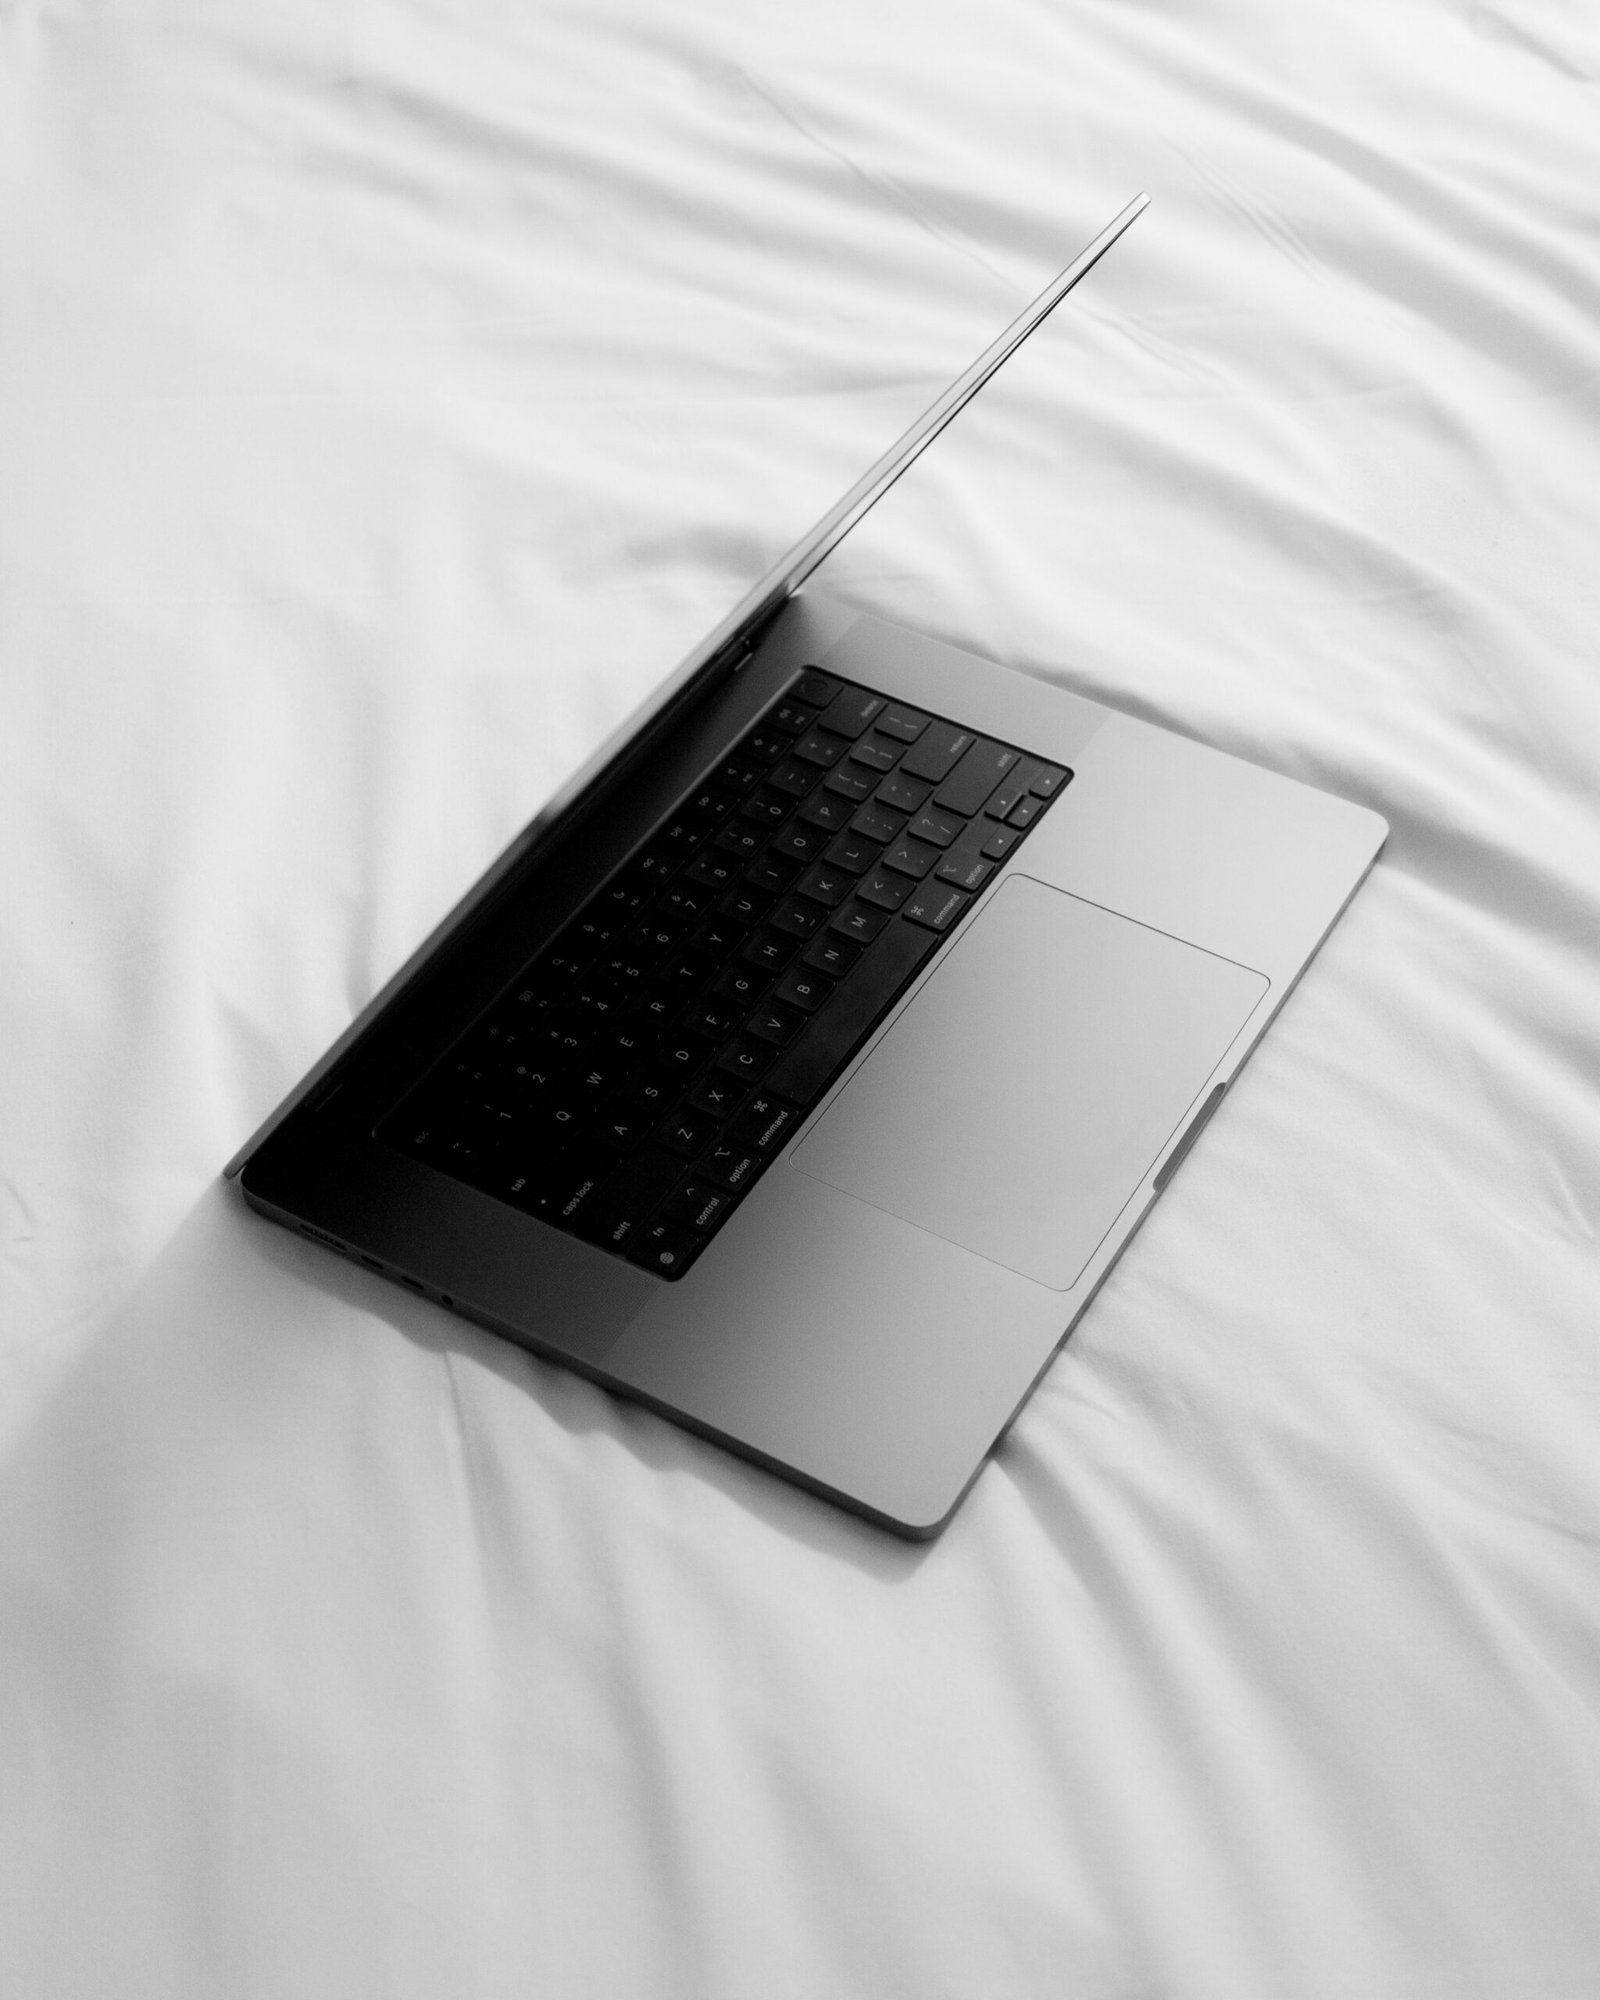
[{"x": 722, "y": 650}]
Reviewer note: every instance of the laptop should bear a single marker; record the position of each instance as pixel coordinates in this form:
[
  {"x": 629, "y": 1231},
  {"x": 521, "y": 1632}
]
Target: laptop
[{"x": 801, "y": 1071}]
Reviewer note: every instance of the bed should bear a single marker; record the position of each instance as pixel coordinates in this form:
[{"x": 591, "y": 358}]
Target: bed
[{"x": 392, "y": 393}]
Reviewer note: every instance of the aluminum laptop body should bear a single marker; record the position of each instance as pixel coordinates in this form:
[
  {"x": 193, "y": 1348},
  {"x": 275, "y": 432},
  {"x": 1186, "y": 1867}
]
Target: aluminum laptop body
[{"x": 1013, "y": 951}]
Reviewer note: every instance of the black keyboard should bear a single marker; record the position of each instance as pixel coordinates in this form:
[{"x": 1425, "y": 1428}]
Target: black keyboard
[{"x": 637, "y": 1077}]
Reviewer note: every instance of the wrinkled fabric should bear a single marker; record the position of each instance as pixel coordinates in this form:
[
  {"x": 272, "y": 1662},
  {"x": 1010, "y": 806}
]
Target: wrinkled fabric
[{"x": 390, "y": 394}]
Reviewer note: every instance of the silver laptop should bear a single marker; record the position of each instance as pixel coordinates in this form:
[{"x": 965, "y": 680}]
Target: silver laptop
[{"x": 802, "y": 1070}]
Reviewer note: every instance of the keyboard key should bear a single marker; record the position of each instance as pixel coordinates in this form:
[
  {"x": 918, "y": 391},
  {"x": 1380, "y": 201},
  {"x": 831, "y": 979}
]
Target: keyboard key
[
  {"x": 764, "y": 1123},
  {"x": 682, "y": 836},
  {"x": 588, "y": 934},
  {"x": 682, "y": 1054},
  {"x": 816, "y": 688},
  {"x": 718, "y": 933},
  {"x": 832, "y": 955},
  {"x": 711, "y": 803},
  {"x": 764, "y": 808},
  {"x": 717, "y": 1095},
  {"x": 647, "y": 1094},
  {"x": 629, "y": 1195},
  {"x": 632, "y": 1044},
  {"x": 746, "y": 904},
  {"x": 716, "y": 1017},
  {"x": 853, "y": 853},
  {"x": 1012, "y": 787},
  {"x": 875, "y": 823},
  {"x": 857, "y": 924},
  {"x": 937, "y": 905},
  {"x": 884, "y": 890},
  {"x": 911, "y": 857},
  {"x": 665, "y": 1248},
  {"x": 820, "y": 749},
  {"x": 803, "y": 988},
  {"x": 795, "y": 778},
  {"x": 575, "y": 1189},
  {"x": 740, "y": 839},
  {"x": 800, "y": 842},
  {"x": 738, "y": 774},
  {"x": 827, "y": 883},
  {"x": 657, "y": 864},
  {"x": 1050, "y": 780},
  {"x": 807, "y": 1066},
  {"x": 593, "y": 1081},
  {"x": 686, "y": 973},
  {"x": 769, "y": 951},
  {"x": 936, "y": 826},
  {"x": 975, "y": 777},
  {"x": 644, "y": 1003},
  {"x": 798, "y": 918},
  {"x": 683, "y": 1132},
  {"x": 771, "y": 875},
  {"x": 741, "y": 983},
  {"x": 828, "y": 812},
  {"x": 1023, "y": 814},
  {"x": 900, "y": 793},
  {"x": 792, "y": 717},
  {"x": 697, "y": 1206},
  {"x": 966, "y": 871},
  {"x": 1000, "y": 843},
  {"x": 712, "y": 870},
  {"x": 683, "y": 899},
  {"x": 874, "y": 755},
  {"x": 775, "y": 1024},
  {"x": 937, "y": 752},
  {"x": 595, "y": 999},
  {"x": 730, "y": 1166},
  {"x": 746, "y": 1058},
  {"x": 848, "y": 782},
  {"x": 619, "y": 898},
  {"x": 851, "y": 711},
  {"x": 905, "y": 725},
  {"x": 619, "y": 1129},
  {"x": 764, "y": 746}
]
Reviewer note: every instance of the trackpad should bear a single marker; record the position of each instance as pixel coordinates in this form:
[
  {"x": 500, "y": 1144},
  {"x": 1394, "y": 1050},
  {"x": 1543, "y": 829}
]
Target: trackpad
[{"x": 1024, "y": 1094}]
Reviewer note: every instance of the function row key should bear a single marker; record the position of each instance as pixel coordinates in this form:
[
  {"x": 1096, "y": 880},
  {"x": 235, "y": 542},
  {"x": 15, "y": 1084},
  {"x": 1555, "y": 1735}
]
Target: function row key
[
  {"x": 764, "y": 745},
  {"x": 817, "y": 688},
  {"x": 851, "y": 712},
  {"x": 794, "y": 718}
]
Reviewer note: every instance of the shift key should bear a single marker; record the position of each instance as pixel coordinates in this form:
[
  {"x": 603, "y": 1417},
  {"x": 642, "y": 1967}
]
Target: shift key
[{"x": 975, "y": 777}]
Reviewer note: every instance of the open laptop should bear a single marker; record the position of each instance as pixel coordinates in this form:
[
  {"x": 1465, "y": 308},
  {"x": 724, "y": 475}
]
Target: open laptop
[{"x": 804, "y": 1067}]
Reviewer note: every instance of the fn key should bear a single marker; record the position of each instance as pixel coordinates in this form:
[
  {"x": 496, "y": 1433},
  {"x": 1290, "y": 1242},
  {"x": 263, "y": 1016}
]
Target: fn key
[{"x": 665, "y": 1248}]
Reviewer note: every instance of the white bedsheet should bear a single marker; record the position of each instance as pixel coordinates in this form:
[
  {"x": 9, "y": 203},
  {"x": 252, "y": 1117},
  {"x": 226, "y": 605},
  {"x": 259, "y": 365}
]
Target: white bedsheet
[{"x": 389, "y": 394}]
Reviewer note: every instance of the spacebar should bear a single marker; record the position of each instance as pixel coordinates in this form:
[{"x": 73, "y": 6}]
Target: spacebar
[{"x": 808, "y": 1064}]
